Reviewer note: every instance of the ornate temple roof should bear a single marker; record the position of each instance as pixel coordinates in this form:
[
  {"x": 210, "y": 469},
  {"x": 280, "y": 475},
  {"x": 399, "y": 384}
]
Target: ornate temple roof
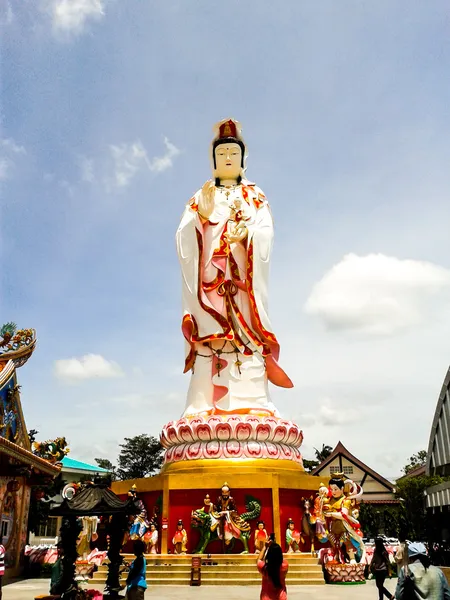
[
  {"x": 16, "y": 345},
  {"x": 94, "y": 500},
  {"x": 28, "y": 458}
]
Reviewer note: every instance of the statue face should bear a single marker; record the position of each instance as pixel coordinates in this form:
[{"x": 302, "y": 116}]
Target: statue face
[
  {"x": 261, "y": 526},
  {"x": 336, "y": 491},
  {"x": 291, "y": 525},
  {"x": 228, "y": 161}
]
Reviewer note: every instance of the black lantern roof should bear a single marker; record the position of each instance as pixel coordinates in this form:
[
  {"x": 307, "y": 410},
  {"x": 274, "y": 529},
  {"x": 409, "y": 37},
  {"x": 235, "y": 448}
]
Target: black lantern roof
[{"x": 94, "y": 500}]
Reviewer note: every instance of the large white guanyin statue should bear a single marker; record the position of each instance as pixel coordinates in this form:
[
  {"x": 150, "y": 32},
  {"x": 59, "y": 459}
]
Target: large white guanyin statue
[{"x": 224, "y": 243}]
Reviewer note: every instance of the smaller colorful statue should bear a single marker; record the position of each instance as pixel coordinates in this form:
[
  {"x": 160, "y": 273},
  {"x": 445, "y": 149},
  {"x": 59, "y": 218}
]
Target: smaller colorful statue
[
  {"x": 222, "y": 521},
  {"x": 180, "y": 539},
  {"x": 318, "y": 515},
  {"x": 261, "y": 536},
  {"x": 151, "y": 539},
  {"x": 140, "y": 522},
  {"x": 87, "y": 535},
  {"x": 344, "y": 530},
  {"x": 292, "y": 537}
]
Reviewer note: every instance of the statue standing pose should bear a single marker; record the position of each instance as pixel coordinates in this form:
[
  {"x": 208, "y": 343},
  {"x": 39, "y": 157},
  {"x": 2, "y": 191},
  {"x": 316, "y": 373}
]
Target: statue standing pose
[
  {"x": 180, "y": 539},
  {"x": 140, "y": 521},
  {"x": 292, "y": 538},
  {"x": 224, "y": 243},
  {"x": 344, "y": 529}
]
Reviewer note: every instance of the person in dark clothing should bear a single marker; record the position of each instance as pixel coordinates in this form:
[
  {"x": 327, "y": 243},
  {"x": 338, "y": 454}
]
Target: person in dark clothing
[
  {"x": 136, "y": 580},
  {"x": 381, "y": 568}
]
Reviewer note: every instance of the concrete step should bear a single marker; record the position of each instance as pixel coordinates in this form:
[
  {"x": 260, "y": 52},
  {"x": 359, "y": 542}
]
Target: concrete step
[
  {"x": 231, "y": 569},
  {"x": 223, "y": 581}
]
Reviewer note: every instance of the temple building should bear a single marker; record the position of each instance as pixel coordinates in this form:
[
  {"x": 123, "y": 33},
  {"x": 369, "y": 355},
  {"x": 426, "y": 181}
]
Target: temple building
[
  {"x": 438, "y": 463},
  {"x": 20, "y": 468}
]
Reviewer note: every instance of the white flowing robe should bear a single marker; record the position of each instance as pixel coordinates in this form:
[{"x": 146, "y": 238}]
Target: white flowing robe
[{"x": 225, "y": 300}]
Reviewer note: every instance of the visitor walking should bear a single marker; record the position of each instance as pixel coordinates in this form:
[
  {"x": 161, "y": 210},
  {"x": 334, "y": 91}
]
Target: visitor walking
[
  {"x": 401, "y": 556},
  {"x": 381, "y": 568},
  {"x": 420, "y": 580},
  {"x": 136, "y": 582},
  {"x": 273, "y": 569}
]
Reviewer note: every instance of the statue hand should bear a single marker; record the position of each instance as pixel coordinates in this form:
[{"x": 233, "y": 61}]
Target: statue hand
[
  {"x": 206, "y": 200},
  {"x": 336, "y": 515},
  {"x": 238, "y": 233}
]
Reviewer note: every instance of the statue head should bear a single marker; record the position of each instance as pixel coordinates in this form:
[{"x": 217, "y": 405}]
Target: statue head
[
  {"x": 133, "y": 492},
  {"x": 180, "y": 525},
  {"x": 225, "y": 492},
  {"x": 228, "y": 151},
  {"x": 152, "y": 526},
  {"x": 261, "y": 525},
  {"x": 323, "y": 490},
  {"x": 291, "y": 524},
  {"x": 337, "y": 486}
]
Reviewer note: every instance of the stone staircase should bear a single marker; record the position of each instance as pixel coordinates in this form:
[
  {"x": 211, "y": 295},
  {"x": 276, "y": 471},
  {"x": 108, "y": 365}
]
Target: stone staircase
[{"x": 219, "y": 569}]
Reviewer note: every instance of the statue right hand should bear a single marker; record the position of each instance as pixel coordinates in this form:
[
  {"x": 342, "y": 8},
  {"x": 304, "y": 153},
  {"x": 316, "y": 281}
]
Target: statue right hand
[{"x": 206, "y": 200}]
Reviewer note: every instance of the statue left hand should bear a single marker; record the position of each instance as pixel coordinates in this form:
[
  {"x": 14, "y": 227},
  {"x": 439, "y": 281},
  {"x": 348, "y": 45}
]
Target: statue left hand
[{"x": 238, "y": 233}]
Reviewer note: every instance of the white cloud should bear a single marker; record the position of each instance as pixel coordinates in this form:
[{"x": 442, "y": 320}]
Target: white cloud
[
  {"x": 9, "y": 150},
  {"x": 72, "y": 16},
  {"x": 9, "y": 145},
  {"x": 90, "y": 366},
  {"x": 330, "y": 416},
  {"x": 161, "y": 163},
  {"x": 87, "y": 169},
  {"x": 8, "y": 15},
  {"x": 130, "y": 158},
  {"x": 377, "y": 294},
  {"x": 5, "y": 167}
]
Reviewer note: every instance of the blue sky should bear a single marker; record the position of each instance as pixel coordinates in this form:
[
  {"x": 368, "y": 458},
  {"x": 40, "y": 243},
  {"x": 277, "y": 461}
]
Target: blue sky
[{"x": 107, "y": 110}]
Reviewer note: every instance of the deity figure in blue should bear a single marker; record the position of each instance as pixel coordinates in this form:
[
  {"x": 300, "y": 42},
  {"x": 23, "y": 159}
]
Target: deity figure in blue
[{"x": 141, "y": 522}]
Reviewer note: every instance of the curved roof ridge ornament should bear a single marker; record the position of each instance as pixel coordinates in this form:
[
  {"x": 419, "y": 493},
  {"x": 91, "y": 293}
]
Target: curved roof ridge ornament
[{"x": 16, "y": 344}]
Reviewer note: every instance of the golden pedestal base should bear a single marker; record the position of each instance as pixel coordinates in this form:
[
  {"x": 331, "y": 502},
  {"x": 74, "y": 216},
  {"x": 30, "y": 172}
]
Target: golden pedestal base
[{"x": 210, "y": 474}]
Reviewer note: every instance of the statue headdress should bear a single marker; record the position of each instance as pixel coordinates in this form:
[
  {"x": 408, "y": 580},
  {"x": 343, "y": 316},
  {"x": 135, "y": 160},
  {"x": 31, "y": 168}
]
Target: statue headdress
[{"x": 229, "y": 130}]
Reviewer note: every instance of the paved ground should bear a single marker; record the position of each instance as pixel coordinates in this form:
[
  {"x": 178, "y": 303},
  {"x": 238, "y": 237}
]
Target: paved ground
[{"x": 29, "y": 588}]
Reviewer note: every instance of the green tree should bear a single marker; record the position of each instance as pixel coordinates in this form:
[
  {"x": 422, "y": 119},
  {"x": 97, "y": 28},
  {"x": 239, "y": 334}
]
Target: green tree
[
  {"x": 324, "y": 453},
  {"x": 140, "y": 456},
  {"x": 105, "y": 463},
  {"x": 416, "y": 460},
  {"x": 310, "y": 465},
  {"x": 411, "y": 493}
]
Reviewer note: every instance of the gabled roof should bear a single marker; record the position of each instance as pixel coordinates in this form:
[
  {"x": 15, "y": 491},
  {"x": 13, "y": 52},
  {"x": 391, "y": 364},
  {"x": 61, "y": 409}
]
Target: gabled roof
[
  {"x": 416, "y": 472},
  {"x": 78, "y": 465},
  {"x": 342, "y": 450}
]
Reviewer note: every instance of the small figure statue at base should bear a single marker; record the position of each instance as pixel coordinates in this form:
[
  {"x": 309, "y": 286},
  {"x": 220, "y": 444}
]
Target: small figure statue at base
[
  {"x": 151, "y": 539},
  {"x": 261, "y": 536},
  {"x": 292, "y": 538},
  {"x": 180, "y": 539},
  {"x": 319, "y": 519}
]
